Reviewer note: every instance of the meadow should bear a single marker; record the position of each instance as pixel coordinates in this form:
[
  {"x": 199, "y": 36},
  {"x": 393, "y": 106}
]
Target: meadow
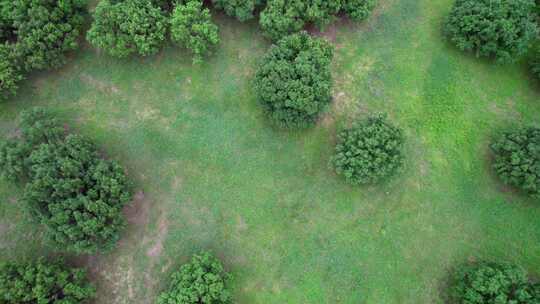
[{"x": 212, "y": 173}]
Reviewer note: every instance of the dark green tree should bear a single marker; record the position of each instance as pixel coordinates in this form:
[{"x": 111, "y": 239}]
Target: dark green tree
[
  {"x": 535, "y": 63},
  {"x": 203, "y": 280},
  {"x": 127, "y": 27},
  {"x": 359, "y": 10},
  {"x": 10, "y": 72},
  {"x": 241, "y": 9},
  {"x": 294, "y": 82},
  {"x": 370, "y": 151},
  {"x": 493, "y": 283},
  {"x": 192, "y": 27},
  {"x": 517, "y": 159},
  {"x": 501, "y": 29},
  {"x": 43, "y": 282}
]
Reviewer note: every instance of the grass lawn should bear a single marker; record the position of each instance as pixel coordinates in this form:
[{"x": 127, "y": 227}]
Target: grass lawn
[{"x": 212, "y": 174}]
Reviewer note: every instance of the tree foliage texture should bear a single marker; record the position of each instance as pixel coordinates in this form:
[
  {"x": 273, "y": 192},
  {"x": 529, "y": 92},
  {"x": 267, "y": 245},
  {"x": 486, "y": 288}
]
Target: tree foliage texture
[
  {"x": 535, "y": 63},
  {"x": 241, "y": 9},
  {"x": 369, "y": 151},
  {"x": 126, "y": 27},
  {"x": 43, "y": 282},
  {"x": 203, "y": 280},
  {"x": 283, "y": 17},
  {"x": 36, "y": 34},
  {"x": 192, "y": 27},
  {"x": 70, "y": 189},
  {"x": 294, "y": 82},
  {"x": 500, "y": 29},
  {"x": 517, "y": 159},
  {"x": 493, "y": 283}
]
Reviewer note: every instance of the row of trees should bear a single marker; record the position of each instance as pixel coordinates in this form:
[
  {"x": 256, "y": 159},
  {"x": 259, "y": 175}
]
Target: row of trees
[
  {"x": 501, "y": 29},
  {"x": 35, "y": 35}
]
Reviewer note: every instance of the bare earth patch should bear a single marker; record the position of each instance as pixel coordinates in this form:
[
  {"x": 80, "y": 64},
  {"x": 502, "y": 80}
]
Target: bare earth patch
[
  {"x": 99, "y": 84},
  {"x": 163, "y": 228},
  {"x": 137, "y": 212}
]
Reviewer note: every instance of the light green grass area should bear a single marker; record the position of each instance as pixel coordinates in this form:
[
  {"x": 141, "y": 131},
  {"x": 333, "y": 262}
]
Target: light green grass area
[{"x": 211, "y": 173}]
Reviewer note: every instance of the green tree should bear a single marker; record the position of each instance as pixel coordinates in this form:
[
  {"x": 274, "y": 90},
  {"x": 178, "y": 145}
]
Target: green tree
[
  {"x": 10, "y": 73},
  {"x": 517, "y": 159},
  {"x": 192, "y": 27},
  {"x": 241, "y": 9},
  {"x": 127, "y": 27},
  {"x": 370, "y": 151},
  {"x": 294, "y": 82},
  {"x": 43, "y": 282},
  {"x": 493, "y": 283},
  {"x": 203, "y": 280},
  {"x": 359, "y": 10},
  {"x": 535, "y": 63},
  {"x": 501, "y": 29}
]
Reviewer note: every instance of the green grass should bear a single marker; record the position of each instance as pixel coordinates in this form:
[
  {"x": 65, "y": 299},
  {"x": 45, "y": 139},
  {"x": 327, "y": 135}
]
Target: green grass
[{"x": 215, "y": 175}]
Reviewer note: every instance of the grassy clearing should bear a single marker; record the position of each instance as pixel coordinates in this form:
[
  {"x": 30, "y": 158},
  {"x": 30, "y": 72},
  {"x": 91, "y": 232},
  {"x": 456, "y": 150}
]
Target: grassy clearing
[{"x": 212, "y": 174}]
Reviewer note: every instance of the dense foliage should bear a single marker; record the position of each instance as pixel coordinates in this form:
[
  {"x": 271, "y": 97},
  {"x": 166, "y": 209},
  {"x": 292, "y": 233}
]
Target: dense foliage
[
  {"x": 203, "y": 280},
  {"x": 517, "y": 159},
  {"x": 43, "y": 283},
  {"x": 293, "y": 81},
  {"x": 502, "y": 29},
  {"x": 10, "y": 72},
  {"x": 369, "y": 151},
  {"x": 493, "y": 283},
  {"x": 42, "y": 30},
  {"x": 241, "y": 9},
  {"x": 126, "y": 27},
  {"x": 74, "y": 192},
  {"x": 284, "y": 17},
  {"x": 535, "y": 63},
  {"x": 192, "y": 27}
]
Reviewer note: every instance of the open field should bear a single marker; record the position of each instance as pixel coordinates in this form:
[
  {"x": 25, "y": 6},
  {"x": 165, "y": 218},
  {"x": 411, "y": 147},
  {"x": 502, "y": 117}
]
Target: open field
[{"x": 212, "y": 174}]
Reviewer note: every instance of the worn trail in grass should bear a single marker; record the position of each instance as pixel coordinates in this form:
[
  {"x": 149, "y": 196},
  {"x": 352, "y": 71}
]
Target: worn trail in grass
[{"x": 212, "y": 174}]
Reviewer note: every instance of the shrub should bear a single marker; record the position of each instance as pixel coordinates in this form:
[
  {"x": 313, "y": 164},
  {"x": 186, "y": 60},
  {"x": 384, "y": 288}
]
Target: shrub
[
  {"x": 294, "y": 82},
  {"x": 42, "y": 30},
  {"x": 203, "y": 280},
  {"x": 281, "y": 17},
  {"x": 127, "y": 27},
  {"x": 502, "y": 29},
  {"x": 75, "y": 193},
  {"x": 241, "y": 9},
  {"x": 43, "y": 283},
  {"x": 517, "y": 159},
  {"x": 488, "y": 282},
  {"x": 359, "y": 10},
  {"x": 192, "y": 27},
  {"x": 369, "y": 151},
  {"x": 10, "y": 73}
]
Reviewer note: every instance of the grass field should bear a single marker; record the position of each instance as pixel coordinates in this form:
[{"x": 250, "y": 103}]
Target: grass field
[{"x": 212, "y": 174}]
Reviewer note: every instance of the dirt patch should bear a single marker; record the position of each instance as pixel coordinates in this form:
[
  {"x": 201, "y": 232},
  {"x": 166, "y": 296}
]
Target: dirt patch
[
  {"x": 99, "y": 84},
  {"x": 137, "y": 212},
  {"x": 163, "y": 228}
]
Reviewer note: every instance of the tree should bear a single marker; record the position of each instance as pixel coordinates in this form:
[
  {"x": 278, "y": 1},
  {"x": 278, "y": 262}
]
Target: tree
[
  {"x": 502, "y": 29},
  {"x": 517, "y": 159},
  {"x": 369, "y": 151},
  {"x": 192, "y": 27},
  {"x": 241, "y": 9},
  {"x": 493, "y": 283},
  {"x": 294, "y": 82},
  {"x": 535, "y": 63},
  {"x": 203, "y": 280},
  {"x": 42, "y": 31},
  {"x": 127, "y": 27},
  {"x": 43, "y": 282},
  {"x": 70, "y": 189},
  {"x": 359, "y": 10},
  {"x": 10, "y": 73}
]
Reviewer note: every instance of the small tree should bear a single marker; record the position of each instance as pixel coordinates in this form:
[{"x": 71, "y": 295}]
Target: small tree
[
  {"x": 293, "y": 82},
  {"x": 241, "y": 9},
  {"x": 42, "y": 31},
  {"x": 42, "y": 282},
  {"x": 359, "y": 10},
  {"x": 10, "y": 73},
  {"x": 502, "y": 29},
  {"x": 203, "y": 280},
  {"x": 488, "y": 282},
  {"x": 517, "y": 159},
  {"x": 369, "y": 152},
  {"x": 127, "y": 27},
  {"x": 192, "y": 27}
]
